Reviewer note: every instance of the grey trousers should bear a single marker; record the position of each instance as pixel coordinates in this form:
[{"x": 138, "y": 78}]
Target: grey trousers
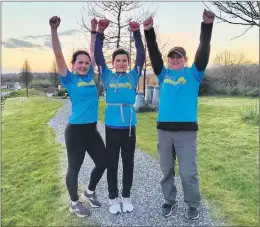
[{"x": 185, "y": 145}]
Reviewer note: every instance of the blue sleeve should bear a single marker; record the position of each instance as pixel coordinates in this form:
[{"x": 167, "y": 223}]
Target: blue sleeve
[
  {"x": 66, "y": 80},
  {"x": 98, "y": 53},
  {"x": 160, "y": 76},
  {"x": 196, "y": 73},
  {"x": 140, "y": 53},
  {"x": 106, "y": 77},
  {"x": 134, "y": 76},
  {"x": 91, "y": 72}
]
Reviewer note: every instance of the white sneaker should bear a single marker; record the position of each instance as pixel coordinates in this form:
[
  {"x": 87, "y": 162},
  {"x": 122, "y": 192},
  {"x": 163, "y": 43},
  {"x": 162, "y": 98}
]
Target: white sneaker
[
  {"x": 115, "y": 207},
  {"x": 127, "y": 205}
]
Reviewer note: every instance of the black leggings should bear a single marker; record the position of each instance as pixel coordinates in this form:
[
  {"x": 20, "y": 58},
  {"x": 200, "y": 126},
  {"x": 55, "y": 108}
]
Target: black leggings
[
  {"x": 116, "y": 139},
  {"x": 80, "y": 138}
]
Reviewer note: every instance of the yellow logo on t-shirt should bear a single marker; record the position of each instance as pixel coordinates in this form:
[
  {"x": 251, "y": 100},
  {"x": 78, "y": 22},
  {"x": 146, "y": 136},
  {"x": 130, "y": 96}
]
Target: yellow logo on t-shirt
[
  {"x": 181, "y": 80},
  {"x": 120, "y": 85},
  {"x": 83, "y": 83}
]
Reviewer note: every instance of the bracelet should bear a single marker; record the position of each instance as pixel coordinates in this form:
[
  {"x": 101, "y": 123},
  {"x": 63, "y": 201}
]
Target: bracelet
[{"x": 93, "y": 32}]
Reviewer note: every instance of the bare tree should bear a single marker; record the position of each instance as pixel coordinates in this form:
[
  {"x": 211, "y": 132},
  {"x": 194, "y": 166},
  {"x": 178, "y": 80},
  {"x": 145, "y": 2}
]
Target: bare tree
[
  {"x": 231, "y": 69},
  {"x": 239, "y": 13},
  {"x": 26, "y": 75},
  {"x": 227, "y": 58},
  {"x": 118, "y": 12},
  {"x": 54, "y": 75}
]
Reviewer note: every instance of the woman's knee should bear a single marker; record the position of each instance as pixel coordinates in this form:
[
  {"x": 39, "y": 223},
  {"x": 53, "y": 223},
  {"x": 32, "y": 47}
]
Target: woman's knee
[{"x": 73, "y": 170}]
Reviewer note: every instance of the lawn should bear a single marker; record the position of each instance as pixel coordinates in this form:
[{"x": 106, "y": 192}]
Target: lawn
[
  {"x": 33, "y": 189},
  {"x": 227, "y": 156}
]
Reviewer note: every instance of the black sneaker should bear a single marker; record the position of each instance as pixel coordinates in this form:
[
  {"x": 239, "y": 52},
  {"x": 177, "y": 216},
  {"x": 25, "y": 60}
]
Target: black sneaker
[
  {"x": 193, "y": 213},
  {"x": 91, "y": 199},
  {"x": 167, "y": 209},
  {"x": 79, "y": 209}
]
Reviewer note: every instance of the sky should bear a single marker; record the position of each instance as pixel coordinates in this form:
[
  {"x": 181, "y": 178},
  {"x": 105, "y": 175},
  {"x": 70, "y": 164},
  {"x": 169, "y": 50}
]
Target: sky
[{"x": 26, "y": 32}]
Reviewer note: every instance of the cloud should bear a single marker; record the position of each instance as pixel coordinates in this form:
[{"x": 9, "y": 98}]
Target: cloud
[
  {"x": 17, "y": 43},
  {"x": 23, "y": 43},
  {"x": 36, "y": 36},
  {"x": 68, "y": 32},
  {"x": 65, "y": 33}
]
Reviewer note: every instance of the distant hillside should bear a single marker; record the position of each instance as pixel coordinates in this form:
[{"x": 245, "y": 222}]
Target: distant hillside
[{"x": 13, "y": 77}]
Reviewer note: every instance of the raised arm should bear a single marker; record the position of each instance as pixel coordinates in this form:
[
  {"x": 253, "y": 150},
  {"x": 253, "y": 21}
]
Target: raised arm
[
  {"x": 140, "y": 53},
  {"x": 94, "y": 23},
  {"x": 153, "y": 50},
  {"x": 61, "y": 64},
  {"x": 99, "y": 56},
  {"x": 203, "y": 51}
]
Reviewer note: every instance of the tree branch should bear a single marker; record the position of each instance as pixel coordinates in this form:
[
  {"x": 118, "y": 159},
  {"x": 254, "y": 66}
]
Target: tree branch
[
  {"x": 242, "y": 33},
  {"x": 237, "y": 10}
]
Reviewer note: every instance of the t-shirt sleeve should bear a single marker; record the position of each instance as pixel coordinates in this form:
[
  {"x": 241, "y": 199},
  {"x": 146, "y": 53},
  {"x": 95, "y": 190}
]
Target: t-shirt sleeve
[
  {"x": 106, "y": 76},
  {"x": 66, "y": 80},
  {"x": 197, "y": 74},
  {"x": 162, "y": 75},
  {"x": 91, "y": 72}
]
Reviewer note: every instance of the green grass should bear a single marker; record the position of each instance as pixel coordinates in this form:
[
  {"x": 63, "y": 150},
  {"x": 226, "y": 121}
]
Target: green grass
[
  {"x": 250, "y": 114},
  {"x": 22, "y": 93},
  {"x": 33, "y": 188},
  {"x": 227, "y": 156}
]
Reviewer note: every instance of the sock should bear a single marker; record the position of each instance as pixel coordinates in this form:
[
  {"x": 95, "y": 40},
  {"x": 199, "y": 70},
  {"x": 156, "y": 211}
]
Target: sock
[
  {"x": 90, "y": 192},
  {"x": 73, "y": 202}
]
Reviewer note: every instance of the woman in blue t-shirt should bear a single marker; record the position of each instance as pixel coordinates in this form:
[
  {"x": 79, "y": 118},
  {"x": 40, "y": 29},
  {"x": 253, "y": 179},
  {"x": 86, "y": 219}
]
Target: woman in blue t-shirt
[{"x": 81, "y": 133}]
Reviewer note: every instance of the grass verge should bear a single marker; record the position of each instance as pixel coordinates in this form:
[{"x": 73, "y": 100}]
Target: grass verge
[{"x": 32, "y": 187}]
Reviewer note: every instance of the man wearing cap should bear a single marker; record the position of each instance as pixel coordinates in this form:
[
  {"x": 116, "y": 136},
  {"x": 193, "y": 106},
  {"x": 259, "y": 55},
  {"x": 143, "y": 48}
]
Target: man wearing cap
[{"x": 177, "y": 117}]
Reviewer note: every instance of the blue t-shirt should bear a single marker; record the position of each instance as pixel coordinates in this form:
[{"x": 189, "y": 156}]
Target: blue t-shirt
[
  {"x": 120, "y": 89},
  {"x": 83, "y": 96},
  {"x": 179, "y": 94}
]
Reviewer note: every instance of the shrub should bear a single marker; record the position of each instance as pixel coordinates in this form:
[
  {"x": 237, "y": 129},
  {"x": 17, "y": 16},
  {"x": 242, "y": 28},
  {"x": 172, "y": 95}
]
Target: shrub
[
  {"x": 234, "y": 80},
  {"x": 234, "y": 91},
  {"x": 204, "y": 88},
  {"x": 220, "y": 89},
  {"x": 43, "y": 83},
  {"x": 250, "y": 114},
  {"x": 146, "y": 108},
  {"x": 3, "y": 98},
  {"x": 254, "y": 92}
]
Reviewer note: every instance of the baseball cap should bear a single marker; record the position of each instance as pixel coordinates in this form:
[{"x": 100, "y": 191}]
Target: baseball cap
[{"x": 178, "y": 50}]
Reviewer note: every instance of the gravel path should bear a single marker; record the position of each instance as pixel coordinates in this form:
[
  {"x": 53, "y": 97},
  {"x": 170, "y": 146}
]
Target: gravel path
[{"x": 146, "y": 191}]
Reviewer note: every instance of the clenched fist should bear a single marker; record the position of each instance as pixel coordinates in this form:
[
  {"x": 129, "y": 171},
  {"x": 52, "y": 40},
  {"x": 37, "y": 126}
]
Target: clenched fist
[
  {"x": 94, "y": 24},
  {"x": 134, "y": 26},
  {"x": 102, "y": 24},
  {"x": 208, "y": 17},
  {"x": 148, "y": 24},
  {"x": 54, "y": 22}
]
